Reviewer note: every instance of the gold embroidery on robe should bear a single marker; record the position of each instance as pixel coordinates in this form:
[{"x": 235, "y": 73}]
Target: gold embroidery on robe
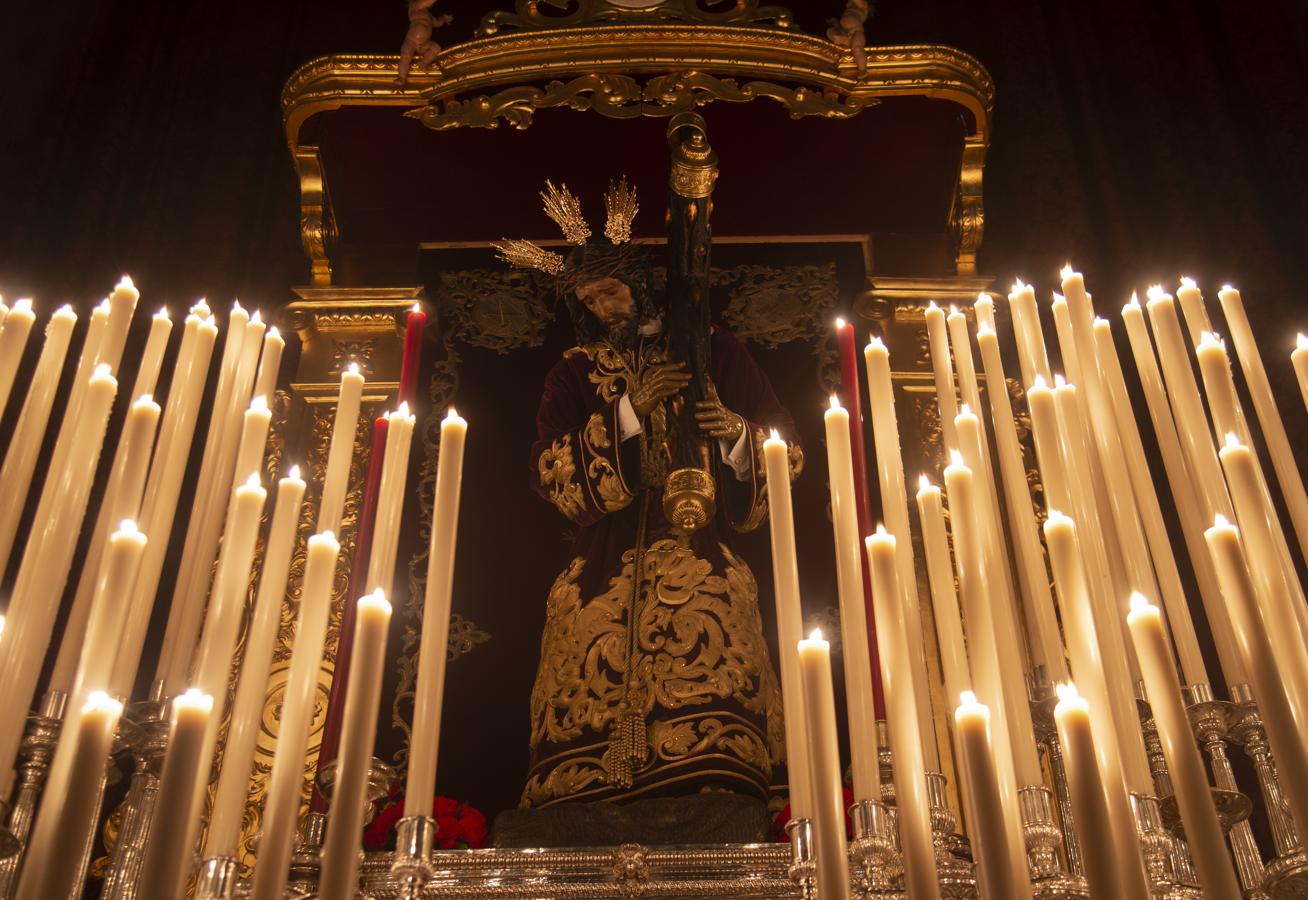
[
  {"x": 608, "y": 483},
  {"x": 557, "y": 470}
]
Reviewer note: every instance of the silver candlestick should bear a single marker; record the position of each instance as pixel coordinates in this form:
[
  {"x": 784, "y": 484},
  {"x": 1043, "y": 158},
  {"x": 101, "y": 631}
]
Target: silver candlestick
[
  {"x": 957, "y": 878},
  {"x": 803, "y": 868},
  {"x": 411, "y": 866},
  {"x": 37, "y": 749},
  {"x": 1043, "y": 837},
  {"x": 1042, "y": 716},
  {"x": 218, "y": 878},
  {"x": 150, "y": 718},
  {"x": 878, "y": 869}
]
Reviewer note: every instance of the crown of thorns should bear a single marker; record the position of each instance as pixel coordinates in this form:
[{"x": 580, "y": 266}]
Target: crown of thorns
[{"x": 564, "y": 208}]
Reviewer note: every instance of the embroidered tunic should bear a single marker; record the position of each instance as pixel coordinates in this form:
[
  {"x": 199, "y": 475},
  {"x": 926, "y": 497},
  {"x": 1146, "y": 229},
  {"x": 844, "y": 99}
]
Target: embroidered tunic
[{"x": 694, "y": 675}]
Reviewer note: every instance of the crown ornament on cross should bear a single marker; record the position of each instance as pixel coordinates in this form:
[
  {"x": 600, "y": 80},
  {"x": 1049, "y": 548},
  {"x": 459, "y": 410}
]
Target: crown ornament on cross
[{"x": 564, "y": 208}]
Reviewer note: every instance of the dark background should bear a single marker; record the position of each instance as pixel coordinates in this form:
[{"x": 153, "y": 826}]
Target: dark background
[{"x": 1140, "y": 141}]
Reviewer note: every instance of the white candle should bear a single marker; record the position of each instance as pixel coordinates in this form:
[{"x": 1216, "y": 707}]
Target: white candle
[
  {"x": 944, "y": 598},
  {"x": 902, "y": 712},
  {"x": 152, "y": 357},
  {"x": 824, "y": 766},
  {"x": 436, "y": 619},
  {"x": 340, "y": 856},
  {"x": 1096, "y": 827},
  {"x": 853, "y": 615},
  {"x": 1160, "y": 544},
  {"x": 992, "y": 561},
  {"x": 47, "y": 871},
  {"x": 999, "y": 862},
  {"x": 25, "y": 445},
  {"x": 47, "y": 557},
  {"x": 894, "y": 507},
  {"x": 282, "y": 804},
  {"x": 159, "y": 505},
  {"x": 247, "y": 707},
  {"x": 1285, "y": 724},
  {"x": 1269, "y": 418},
  {"x": 390, "y": 499},
  {"x": 270, "y": 363},
  {"x": 1031, "y": 353},
  {"x": 122, "y": 500},
  {"x": 1046, "y": 643},
  {"x": 1188, "y": 501},
  {"x": 1189, "y": 779},
  {"x": 122, "y": 305},
  {"x": 1299, "y": 359},
  {"x": 961, "y": 348},
  {"x": 943, "y": 368},
  {"x": 785, "y": 577},
  {"x": 1044, "y": 431},
  {"x": 1192, "y": 305},
  {"x": 14, "y": 330},
  {"x": 170, "y": 849},
  {"x": 1067, "y": 348},
  {"x": 1087, "y": 657},
  {"x": 337, "y": 474}
]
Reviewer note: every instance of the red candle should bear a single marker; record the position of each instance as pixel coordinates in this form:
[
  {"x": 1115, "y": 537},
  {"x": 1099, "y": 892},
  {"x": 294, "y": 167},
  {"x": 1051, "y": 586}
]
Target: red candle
[
  {"x": 331, "y": 733},
  {"x": 413, "y": 329},
  {"x": 853, "y": 402}
]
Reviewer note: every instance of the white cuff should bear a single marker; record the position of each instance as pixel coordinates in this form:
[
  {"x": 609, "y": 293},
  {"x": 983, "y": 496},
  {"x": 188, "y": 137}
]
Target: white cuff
[
  {"x": 628, "y": 422},
  {"x": 738, "y": 456}
]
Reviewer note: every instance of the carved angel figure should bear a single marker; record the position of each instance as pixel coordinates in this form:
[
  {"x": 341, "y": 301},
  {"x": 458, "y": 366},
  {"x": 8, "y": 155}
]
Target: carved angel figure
[
  {"x": 417, "y": 42},
  {"x": 847, "y": 31}
]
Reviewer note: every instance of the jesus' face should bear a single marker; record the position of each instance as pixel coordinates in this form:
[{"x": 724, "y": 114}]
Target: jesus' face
[{"x": 610, "y": 301}]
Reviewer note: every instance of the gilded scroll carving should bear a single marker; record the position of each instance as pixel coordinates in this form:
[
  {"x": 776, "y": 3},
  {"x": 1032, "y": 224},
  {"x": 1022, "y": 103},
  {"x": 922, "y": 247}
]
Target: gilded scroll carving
[
  {"x": 494, "y": 310},
  {"x": 534, "y": 15}
]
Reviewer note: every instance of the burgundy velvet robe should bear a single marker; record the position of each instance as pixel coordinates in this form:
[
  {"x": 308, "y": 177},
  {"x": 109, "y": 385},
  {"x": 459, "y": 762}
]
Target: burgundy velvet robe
[{"x": 703, "y": 681}]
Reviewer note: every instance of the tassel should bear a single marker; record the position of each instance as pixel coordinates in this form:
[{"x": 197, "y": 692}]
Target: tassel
[{"x": 628, "y": 750}]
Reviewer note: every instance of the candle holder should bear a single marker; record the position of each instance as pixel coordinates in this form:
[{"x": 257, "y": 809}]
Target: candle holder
[
  {"x": 1042, "y": 716},
  {"x": 1181, "y": 862},
  {"x": 1042, "y": 837},
  {"x": 1211, "y": 721},
  {"x": 803, "y": 868},
  {"x": 37, "y": 750},
  {"x": 1287, "y": 873},
  {"x": 957, "y": 878},
  {"x": 381, "y": 777},
  {"x": 878, "y": 869},
  {"x": 411, "y": 866},
  {"x": 306, "y": 858},
  {"x": 1157, "y": 845},
  {"x": 150, "y": 720},
  {"x": 217, "y": 879},
  {"x": 885, "y": 765}
]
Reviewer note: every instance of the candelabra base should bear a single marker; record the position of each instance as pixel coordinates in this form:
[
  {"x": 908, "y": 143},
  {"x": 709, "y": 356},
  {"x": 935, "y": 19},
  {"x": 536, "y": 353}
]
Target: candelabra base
[
  {"x": 306, "y": 861},
  {"x": 803, "y": 868},
  {"x": 955, "y": 872},
  {"x": 878, "y": 870},
  {"x": 411, "y": 866},
  {"x": 1232, "y": 807},
  {"x": 9, "y": 843},
  {"x": 1042, "y": 838},
  {"x": 1287, "y": 877},
  {"x": 217, "y": 879}
]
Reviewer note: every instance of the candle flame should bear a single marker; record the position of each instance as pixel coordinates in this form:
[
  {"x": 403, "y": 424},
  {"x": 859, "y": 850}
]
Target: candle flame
[
  {"x": 985, "y": 330},
  {"x": 1187, "y": 281},
  {"x": 1134, "y": 301},
  {"x": 127, "y": 526},
  {"x": 1301, "y": 341},
  {"x": 144, "y": 400},
  {"x": 1040, "y": 382},
  {"x": 1066, "y": 690},
  {"x": 163, "y": 314},
  {"x": 983, "y": 297},
  {"x": 875, "y": 342},
  {"x": 377, "y": 599},
  {"x": 923, "y": 482},
  {"x": 953, "y": 311},
  {"x": 1019, "y": 285},
  {"x": 775, "y": 435},
  {"x": 352, "y": 368},
  {"x": 1058, "y": 298},
  {"x": 402, "y": 411},
  {"x": 815, "y": 634},
  {"x": 1066, "y": 271},
  {"x": 1206, "y": 338},
  {"x": 1101, "y": 322},
  {"x": 931, "y": 304},
  {"x": 965, "y": 410},
  {"x": 1227, "y": 287},
  {"x": 1139, "y": 601},
  {"x": 415, "y": 308},
  {"x": 99, "y": 701},
  {"x": 1232, "y": 440},
  {"x": 102, "y": 307},
  {"x": 1155, "y": 292},
  {"x": 835, "y": 402},
  {"x": 65, "y": 310},
  {"x": 294, "y": 473},
  {"x": 259, "y": 404},
  {"x": 1056, "y": 516},
  {"x": 125, "y": 283},
  {"x": 881, "y": 529},
  {"x": 955, "y": 458},
  {"x": 237, "y": 307},
  {"x": 1221, "y": 521},
  {"x": 103, "y": 371},
  {"x": 452, "y": 413},
  {"x": 196, "y": 699},
  {"x": 1060, "y": 382},
  {"x": 272, "y": 333},
  {"x": 256, "y": 318},
  {"x": 840, "y": 323},
  {"x": 253, "y": 480},
  {"x": 967, "y": 698}
]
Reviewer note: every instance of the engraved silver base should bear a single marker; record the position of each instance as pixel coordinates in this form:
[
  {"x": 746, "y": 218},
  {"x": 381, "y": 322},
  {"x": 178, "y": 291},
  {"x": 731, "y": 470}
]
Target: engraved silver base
[
  {"x": 411, "y": 865},
  {"x": 151, "y": 734},
  {"x": 1043, "y": 837},
  {"x": 217, "y": 879},
  {"x": 803, "y": 867},
  {"x": 957, "y": 876},
  {"x": 875, "y": 863},
  {"x": 37, "y": 749}
]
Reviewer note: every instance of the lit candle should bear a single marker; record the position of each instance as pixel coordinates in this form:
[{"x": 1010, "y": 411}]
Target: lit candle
[
  {"x": 1189, "y": 779},
  {"x": 1044, "y": 431},
  {"x": 390, "y": 500},
  {"x": 999, "y": 862},
  {"x": 340, "y": 855},
  {"x": 247, "y": 707},
  {"x": 436, "y": 619},
  {"x": 1067, "y": 348},
  {"x": 1087, "y": 658},
  {"x": 987, "y": 679},
  {"x": 337, "y": 475},
  {"x": 1046, "y": 643},
  {"x": 282, "y": 804},
  {"x": 1299, "y": 359},
  {"x": 152, "y": 357},
  {"x": 905, "y": 739},
  {"x": 785, "y": 577},
  {"x": 270, "y": 363},
  {"x": 25, "y": 445},
  {"x": 1192, "y": 306},
  {"x": 14, "y": 330},
  {"x": 1285, "y": 724},
  {"x": 824, "y": 767},
  {"x": 944, "y": 598},
  {"x": 961, "y": 348},
  {"x": 992, "y": 561},
  {"x": 1094, "y": 824},
  {"x": 414, "y": 325},
  {"x": 1188, "y": 501},
  {"x": 984, "y": 310},
  {"x": 894, "y": 506},
  {"x": 170, "y": 849},
  {"x": 1280, "y": 598},
  {"x": 1160, "y": 544},
  {"x": 47, "y": 557},
  {"x": 1031, "y": 353},
  {"x": 47, "y": 871},
  {"x": 159, "y": 506},
  {"x": 121, "y": 501},
  {"x": 853, "y": 620},
  {"x": 122, "y": 305},
  {"x": 943, "y": 368}
]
